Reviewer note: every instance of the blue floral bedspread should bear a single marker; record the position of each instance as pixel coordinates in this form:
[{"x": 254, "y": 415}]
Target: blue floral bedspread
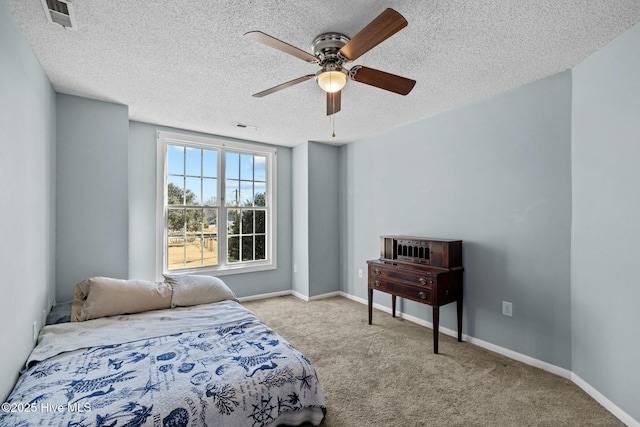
[{"x": 209, "y": 365}]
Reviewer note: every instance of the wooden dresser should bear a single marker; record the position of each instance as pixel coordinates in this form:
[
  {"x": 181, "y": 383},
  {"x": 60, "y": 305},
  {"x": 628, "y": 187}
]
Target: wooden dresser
[{"x": 425, "y": 270}]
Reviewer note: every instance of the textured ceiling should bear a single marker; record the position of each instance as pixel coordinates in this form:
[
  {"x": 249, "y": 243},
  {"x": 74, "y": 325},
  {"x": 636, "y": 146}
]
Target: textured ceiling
[{"x": 186, "y": 63}]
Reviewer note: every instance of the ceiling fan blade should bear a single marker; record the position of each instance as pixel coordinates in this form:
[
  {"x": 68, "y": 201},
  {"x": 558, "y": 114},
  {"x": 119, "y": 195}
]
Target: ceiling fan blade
[
  {"x": 333, "y": 102},
  {"x": 382, "y": 80},
  {"x": 384, "y": 26},
  {"x": 283, "y": 85},
  {"x": 273, "y": 42}
]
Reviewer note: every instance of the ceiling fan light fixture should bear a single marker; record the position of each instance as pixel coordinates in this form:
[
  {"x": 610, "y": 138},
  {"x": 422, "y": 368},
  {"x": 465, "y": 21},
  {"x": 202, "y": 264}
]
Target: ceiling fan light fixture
[{"x": 331, "y": 80}]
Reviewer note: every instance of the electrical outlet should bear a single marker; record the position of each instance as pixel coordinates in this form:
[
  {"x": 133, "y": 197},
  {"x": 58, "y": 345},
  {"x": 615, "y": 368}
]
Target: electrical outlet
[
  {"x": 507, "y": 308},
  {"x": 360, "y": 273},
  {"x": 295, "y": 268}
]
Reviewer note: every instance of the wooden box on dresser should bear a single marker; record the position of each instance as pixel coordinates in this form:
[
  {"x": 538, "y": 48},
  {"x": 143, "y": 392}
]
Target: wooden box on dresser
[{"x": 425, "y": 270}]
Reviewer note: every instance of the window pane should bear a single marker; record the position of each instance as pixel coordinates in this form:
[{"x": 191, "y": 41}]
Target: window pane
[
  {"x": 210, "y": 237},
  {"x": 260, "y": 194},
  {"x": 233, "y": 166},
  {"x": 246, "y": 193},
  {"x": 233, "y": 193},
  {"x": 247, "y": 248},
  {"x": 234, "y": 249},
  {"x": 246, "y": 167},
  {"x": 233, "y": 222},
  {"x": 210, "y": 191},
  {"x": 210, "y": 163},
  {"x": 211, "y": 221},
  {"x": 260, "y": 247},
  {"x": 175, "y": 191},
  {"x": 260, "y": 168},
  {"x": 193, "y": 252},
  {"x": 175, "y": 160},
  {"x": 261, "y": 217},
  {"x": 194, "y": 219},
  {"x": 175, "y": 238},
  {"x": 210, "y": 250},
  {"x": 175, "y": 253},
  {"x": 247, "y": 222},
  {"x": 192, "y": 193},
  {"x": 194, "y": 161},
  {"x": 175, "y": 222}
]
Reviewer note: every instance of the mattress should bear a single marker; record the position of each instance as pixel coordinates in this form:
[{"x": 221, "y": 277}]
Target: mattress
[{"x": 212, "y": 364}]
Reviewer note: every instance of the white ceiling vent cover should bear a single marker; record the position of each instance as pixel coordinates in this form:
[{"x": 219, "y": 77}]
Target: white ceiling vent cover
[{"x": 60, "y": 12}]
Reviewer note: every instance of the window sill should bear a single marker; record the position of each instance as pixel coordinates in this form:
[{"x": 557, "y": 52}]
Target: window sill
[{"x": 226, "y": 270}]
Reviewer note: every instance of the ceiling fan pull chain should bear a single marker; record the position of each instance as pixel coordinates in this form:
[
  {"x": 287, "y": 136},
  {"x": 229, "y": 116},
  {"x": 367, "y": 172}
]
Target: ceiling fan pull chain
[{"x": 333, "y": 125}]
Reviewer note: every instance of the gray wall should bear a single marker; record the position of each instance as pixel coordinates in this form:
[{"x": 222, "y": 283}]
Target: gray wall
[
  {"x": 324, "y": 226},
  {"x": 142, "y": 215},
  {"x": 316, "y": 215},
  {"x": 496, "y": 174},
  {"x": 605, "y": 243},
  {"x": 27, "y": 217},
  {"x": 92, "y": 191},
  {"x": 300, "y": 168}
]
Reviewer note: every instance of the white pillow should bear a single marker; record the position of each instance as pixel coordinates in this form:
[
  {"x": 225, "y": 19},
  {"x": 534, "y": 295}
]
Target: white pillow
[
  {"x": 104, "y": 296},
  {"x": 191, "y": 289}
]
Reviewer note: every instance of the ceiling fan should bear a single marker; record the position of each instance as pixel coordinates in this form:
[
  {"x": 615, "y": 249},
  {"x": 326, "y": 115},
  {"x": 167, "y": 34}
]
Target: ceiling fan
[{"x": 332, "y": 50}]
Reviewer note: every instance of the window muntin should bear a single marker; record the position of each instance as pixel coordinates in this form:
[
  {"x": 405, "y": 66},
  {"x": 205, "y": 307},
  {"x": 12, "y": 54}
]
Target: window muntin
[{"x": 218, "y": 207}]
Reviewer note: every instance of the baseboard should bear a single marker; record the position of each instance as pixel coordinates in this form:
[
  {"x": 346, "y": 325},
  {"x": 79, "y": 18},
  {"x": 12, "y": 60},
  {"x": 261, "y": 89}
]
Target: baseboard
[
  {"x": 265, "y": 296},
  {"x": 363, "y": 301},
  {"x": 601, "y": 399},
  {"x": 294, "y": 293},
  {"x": 556, "y": 370},
  {"x": 316, "y": 297},
  {"x": 528, "y": 360}
]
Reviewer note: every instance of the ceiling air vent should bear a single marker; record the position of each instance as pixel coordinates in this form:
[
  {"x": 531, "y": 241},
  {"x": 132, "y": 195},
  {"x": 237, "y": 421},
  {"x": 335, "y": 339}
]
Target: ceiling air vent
[
  {"x": 60, "y": 12},
  {"x": 246, "y": 126}
]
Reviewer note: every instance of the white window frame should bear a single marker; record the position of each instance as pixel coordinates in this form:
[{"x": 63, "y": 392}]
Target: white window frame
[{"x": 170, "y": 138}]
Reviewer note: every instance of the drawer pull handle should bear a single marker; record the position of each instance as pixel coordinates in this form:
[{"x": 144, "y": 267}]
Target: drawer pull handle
[
  {"x": 376, "y": 272},
  {"x": 422, "y": 281},
  {"x": 422, "y": 295},
  {"x": 377, "y": 283}
]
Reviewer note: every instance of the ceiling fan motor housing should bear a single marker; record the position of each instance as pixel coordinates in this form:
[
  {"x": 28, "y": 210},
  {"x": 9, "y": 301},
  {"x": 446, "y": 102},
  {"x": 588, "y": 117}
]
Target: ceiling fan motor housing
[{"x": 325, "y": 47}]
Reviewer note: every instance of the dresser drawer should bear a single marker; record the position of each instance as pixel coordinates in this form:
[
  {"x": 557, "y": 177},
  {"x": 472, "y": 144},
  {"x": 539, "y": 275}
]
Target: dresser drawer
[
  {"x": 416, "y": 293},
  {"x": 424, "y": 278}
]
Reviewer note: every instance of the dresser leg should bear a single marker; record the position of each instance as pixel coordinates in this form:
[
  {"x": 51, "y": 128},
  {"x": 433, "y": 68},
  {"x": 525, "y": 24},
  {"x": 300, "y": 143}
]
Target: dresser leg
[
  {"x": 370, "y": 304},
  {"x": 459, "y": 304},
  {"x": 393, "y": 306},
  {"x": 436, "y": 326}
]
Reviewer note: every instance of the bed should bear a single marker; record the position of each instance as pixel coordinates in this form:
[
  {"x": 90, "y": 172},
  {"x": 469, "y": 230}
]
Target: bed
[{"x": 212, "y": 364}]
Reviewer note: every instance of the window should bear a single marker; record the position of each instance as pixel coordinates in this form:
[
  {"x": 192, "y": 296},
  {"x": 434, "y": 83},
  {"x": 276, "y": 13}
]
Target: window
[{"x": 216, "y": 205}]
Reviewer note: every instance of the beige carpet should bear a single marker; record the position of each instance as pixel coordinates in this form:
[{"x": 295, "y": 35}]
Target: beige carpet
[{"x": 387, "y": 375}]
